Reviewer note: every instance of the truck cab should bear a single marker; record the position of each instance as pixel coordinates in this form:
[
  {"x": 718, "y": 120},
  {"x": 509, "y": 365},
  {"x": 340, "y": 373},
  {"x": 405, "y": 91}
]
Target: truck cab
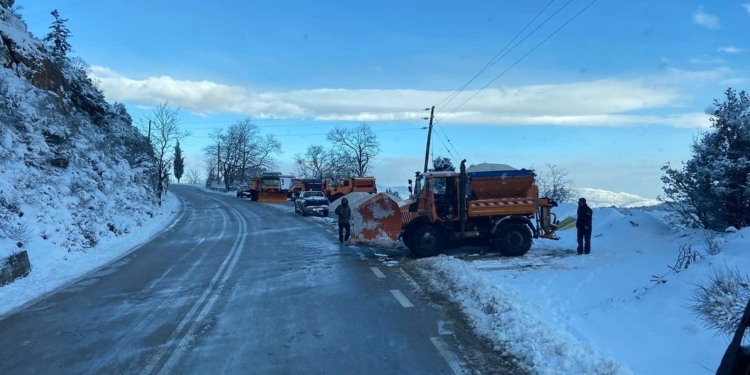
[{"x": 454, "y": 207}]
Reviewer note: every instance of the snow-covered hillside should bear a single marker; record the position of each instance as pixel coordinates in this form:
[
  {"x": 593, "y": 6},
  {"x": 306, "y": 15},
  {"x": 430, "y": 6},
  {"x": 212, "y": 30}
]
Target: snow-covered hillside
[
  {"x": 606, "y": 198},
  {"x": 623, "y": 309},
  {"x": 74, "y": 171}
]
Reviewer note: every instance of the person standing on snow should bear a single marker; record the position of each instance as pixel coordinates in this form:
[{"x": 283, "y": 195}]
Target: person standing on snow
[
  {"x": 344, "y": 213},
  {"x": 584, "y": 220}
]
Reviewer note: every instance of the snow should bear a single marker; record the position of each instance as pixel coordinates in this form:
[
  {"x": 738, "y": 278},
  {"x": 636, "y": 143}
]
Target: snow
[
  {"x": 75, "y": 175},
  {"x": 619, "y": 310},
  {"x": 606, "y": 198},
  {"x": 54, "y": 267}
]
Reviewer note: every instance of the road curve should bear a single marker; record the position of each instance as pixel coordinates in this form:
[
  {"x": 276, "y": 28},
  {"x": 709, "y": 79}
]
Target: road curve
[{"x": 235, "y": 287}]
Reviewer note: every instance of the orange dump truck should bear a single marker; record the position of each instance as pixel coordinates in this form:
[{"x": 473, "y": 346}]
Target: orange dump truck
[
  {"x": 338, "y": 188},
  {"x": 500, "y": 207}
]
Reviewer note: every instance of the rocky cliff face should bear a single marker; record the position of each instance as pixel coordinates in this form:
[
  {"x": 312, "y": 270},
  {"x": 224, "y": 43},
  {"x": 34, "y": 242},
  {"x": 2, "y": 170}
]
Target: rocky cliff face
[{"x": 73, "y": 168}]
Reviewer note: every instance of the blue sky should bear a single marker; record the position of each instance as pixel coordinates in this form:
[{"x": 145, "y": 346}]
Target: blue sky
[{"x": 615, "y": 94}]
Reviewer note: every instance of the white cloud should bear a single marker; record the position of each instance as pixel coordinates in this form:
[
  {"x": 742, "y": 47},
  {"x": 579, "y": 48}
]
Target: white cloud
[
  {"x": 706, "y": 20},
  {"x": 706, "y": 61},
  {"x": 746, "y": 6},
  {"x": 609, "y": 102},
  {"x": 730, "y": 49}
]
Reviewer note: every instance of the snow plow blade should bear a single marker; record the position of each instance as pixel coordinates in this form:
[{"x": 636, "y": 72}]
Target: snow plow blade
[
  {"x": 278, "y": 198},
  {"x": 375, "y": 217}
]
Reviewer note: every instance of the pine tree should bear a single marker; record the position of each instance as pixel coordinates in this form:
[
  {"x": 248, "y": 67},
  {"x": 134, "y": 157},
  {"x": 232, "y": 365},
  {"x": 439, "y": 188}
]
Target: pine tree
[
  {"x": 58, "y": 37},
  {"x": 713, "y": 188},
  {"x": 179, "y": 162}
]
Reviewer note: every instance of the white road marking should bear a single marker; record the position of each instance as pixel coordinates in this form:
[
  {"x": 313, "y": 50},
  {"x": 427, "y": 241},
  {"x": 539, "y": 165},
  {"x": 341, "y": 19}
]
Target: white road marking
[
  {"x": 378, "y": 272},
  {"x": 239, "y": 245},
  {"x": 231, "y": 261},
  {"x": 450, "y": 358},
  {"x": 401, "y": 298}
]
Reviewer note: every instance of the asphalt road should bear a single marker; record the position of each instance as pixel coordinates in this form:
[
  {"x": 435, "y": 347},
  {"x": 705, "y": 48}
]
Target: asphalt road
[{"x": 235, "y": 287}]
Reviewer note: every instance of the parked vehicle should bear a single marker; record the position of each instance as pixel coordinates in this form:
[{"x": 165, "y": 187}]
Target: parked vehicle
[
  {"x": 335, "y": 189},
  {"x": 244, "y": 192},
  {"x": 311, "y": 202}
]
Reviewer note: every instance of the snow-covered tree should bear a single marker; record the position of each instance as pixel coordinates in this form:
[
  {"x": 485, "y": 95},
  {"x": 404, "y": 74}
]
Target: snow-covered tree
[
  {"x": 179, "y": 162},
  {"x": 58, "y": 37},
  {"x": 442, "y": 164},
  {"x": 712, "y": 190},
  {"x": 554, "y": 183}
]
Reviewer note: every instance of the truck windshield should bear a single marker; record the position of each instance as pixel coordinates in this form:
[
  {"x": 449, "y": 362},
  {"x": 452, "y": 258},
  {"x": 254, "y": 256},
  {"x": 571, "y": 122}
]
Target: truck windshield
[{"x": 273, "y": 181}]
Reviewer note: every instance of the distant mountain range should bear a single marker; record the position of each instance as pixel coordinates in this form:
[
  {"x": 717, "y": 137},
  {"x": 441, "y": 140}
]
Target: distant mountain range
[
  {"x": 594, "y": 197},
  {"x": 606, "y": 198}
]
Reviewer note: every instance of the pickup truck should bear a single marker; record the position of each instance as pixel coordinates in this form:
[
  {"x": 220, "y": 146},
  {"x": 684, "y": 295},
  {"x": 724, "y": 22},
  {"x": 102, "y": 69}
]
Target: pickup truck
[{"x": 311, "y": 202}]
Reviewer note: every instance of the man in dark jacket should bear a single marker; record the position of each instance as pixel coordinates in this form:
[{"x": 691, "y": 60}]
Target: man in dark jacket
[
  {"x": 583, "y": 225},
  {"x": 345, "y": 214}
]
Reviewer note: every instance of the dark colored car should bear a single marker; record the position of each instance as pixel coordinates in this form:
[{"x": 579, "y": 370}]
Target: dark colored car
[
  {"x": 311, "y": 202},
  {"x": 243, "y": 192}
]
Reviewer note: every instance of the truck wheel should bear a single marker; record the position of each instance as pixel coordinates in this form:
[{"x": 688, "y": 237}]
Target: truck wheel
[
  {"x": 512, "y": 239},
  {"x": 426, "y": 241},
  {"x": 304, "y": 212},
  {"x": 337, "y": 196},
  {"x": 325, "y": 213}
]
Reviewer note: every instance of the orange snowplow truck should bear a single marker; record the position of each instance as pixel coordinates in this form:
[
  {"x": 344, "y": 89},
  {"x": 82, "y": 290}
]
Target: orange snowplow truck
[
  {"x": 267, "y": 188},
  {"x": 338, "y": 188},
  {"x": 501, "y": 207}
]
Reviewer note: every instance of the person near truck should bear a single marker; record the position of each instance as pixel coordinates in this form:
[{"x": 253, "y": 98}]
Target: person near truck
[
  {"x": 584, "y": 220},
  {"x": 344, "y": 214}
]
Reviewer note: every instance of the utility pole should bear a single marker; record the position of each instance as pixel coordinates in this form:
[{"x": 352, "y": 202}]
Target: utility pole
[
  {"x": 429, "y": 136},
  {"x": 218, "y": 162},
  {"x": 149, "y": 132}
]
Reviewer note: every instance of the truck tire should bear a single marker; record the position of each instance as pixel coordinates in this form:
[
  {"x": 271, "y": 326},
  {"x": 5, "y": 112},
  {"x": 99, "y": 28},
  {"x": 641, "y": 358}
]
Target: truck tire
[
  {"x": 335, "y": 197},
  {"x": 325, "y": 213},
  {"x": 513, "y": 239},
  {"x": 426, "y": 241}
]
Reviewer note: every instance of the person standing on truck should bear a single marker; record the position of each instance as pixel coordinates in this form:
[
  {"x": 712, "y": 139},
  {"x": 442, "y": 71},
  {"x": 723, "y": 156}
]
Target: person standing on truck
[
  {"x": 584, "y": 219},
  {"x": 344, "y": 213}
]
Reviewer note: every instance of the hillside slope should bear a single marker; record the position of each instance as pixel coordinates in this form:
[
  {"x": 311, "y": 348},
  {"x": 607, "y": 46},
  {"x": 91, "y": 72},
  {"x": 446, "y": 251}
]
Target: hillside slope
[
  {"x": 74, "y": 171},
  {"x": 606, "y": 198}
]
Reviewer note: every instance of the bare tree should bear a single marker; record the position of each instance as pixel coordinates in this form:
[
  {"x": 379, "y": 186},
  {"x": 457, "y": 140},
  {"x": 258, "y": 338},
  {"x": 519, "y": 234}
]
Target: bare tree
[
  {"x": 358, "y": 146},
  {"x": 315, "y": 162},
  {"x": 241, "y": 150},
  {"x": 193, "y": 177},
  {"x": 163, "y": 128},
  {"x": 554, "y": 183}
]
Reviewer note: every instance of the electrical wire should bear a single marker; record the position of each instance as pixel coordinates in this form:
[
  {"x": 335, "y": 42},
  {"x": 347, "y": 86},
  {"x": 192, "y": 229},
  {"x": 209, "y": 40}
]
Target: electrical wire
[
  {"x": 520, "y": 59},
  {"x": 492, "y": 60}
]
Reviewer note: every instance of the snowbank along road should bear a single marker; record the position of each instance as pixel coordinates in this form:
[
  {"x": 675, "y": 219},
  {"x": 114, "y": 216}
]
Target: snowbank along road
[{"x": 235, "y": 287}]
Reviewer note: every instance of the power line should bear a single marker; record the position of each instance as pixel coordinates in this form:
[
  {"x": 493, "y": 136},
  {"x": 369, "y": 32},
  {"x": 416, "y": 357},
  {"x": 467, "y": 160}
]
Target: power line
[
  {"x": 314, "y": 122},
  {"x": 521, "y": 59},
  {"x": 490, "y": 63},
  {"x": 497, "y": 58},
  {"x": 188, "y": 141}
]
